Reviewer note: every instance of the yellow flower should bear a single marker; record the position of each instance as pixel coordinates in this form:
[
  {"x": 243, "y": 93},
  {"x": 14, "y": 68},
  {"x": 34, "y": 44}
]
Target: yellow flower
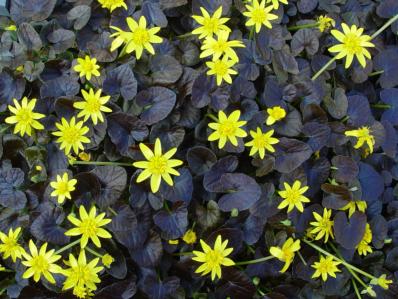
[
  {"x": 293, "y": 196},
  {"x": 92, "y": 106},
  {"x": 259, "y": 15},
  {"x": 24, "y": 117},
  {"x": 9, "y": 246},
  {"x": 138, "y": 39},
  {"x": 227, "y": 128},
  {"x": 353, "y": 43},
  {"x": 112, "y": 4},
  {"x": 275, "y": 114},
  {"x": 71, "y": 135},
  {"x": 363, "y": 247},
  {"x": 2, "y": 269},
  {"x": 158, "y": 166},
  {"x": 383, "y": 281},
  {"x": 213, "y": 259},
  {"x": 107, "y": 260},
  {"x": 11, "y": 28},
  {"x": 87, "y": 66},
  {"x": 286, "y": 253},
  {"x": 275, "y": 3},
  {"x": 323, "y": 225},
  {"x": 325, "y": 267},
  {"x": 210, "y": 24},
  {"x": 261, "y": 142},
  {"x": 222, "y": 69},
  {"x": 89, "y": 226},
  {"x": 173, "y": 242},
  {"x": 325, "y": 22},
  {"x": 81, "y": 275},
  {"x": 41, "y": 263},
  {"x": 189, "y": 237},
  {"x": 84, "y": 156},
  {"x": 221, "y": 47},
  {"x": 62, "y": 187},
  {"x": 364, "y": 135},
  {"x": 353, "y": 205}
]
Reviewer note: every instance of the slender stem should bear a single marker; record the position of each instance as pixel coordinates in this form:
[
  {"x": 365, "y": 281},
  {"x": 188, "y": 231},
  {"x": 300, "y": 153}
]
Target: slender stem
[
  {"x": 381, "y": 106},
  {"x": 382, "y": 28},
  {"x": 339, "y": 260},
  {"x": 209, "y": 115},
  {"x": 182, "y": 36},
  {"x": 376, "y": 73},
  {"x": 302, "y": 258},
  {"x": 356, "y": 289},
  {"x": 94, "y": 252},
  {"x": 182, "y": 253},
  {"x": 349, "y": 270},
  {"x": 256, "y": 261},
  {"x": 251, "y": 34},
  {"x": 323, "y": 68},
  {"x": 112, "y": 211},
  {"x": 311, "y": 25},
  {"x": 70, "y": 245},
  {"x": 101, "y": 163}
]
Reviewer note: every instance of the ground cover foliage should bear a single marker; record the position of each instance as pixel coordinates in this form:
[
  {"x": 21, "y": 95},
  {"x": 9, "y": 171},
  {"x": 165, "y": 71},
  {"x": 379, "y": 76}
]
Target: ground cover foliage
[{"x": 141, "y": 160}]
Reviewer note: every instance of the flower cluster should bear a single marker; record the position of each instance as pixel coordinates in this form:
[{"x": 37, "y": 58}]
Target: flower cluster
[
  {"x": 80, "y": 274},
  {"x": 228, "y": 129}
]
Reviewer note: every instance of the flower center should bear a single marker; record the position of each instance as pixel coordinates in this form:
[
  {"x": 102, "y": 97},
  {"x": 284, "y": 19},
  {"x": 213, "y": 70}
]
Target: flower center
[
  {"x": 210, "y": 25},
  {"x": 71, "y": 135},
  {"x": 82, "y": 273},
  {"x": 39, "y": 264},
  {"x": 24, "y": 115},
  {"x": 260, "y": 141},
  {"x": 352, "y": 44},
  {"x": 63, "y": 187},
  {"x": 220, "y": 46},
  {"x": 325, "y": 224},
  {"x": 158, "y": 165},
  {"x": 214, "y": 258},
  {"x": 292, "y": 196},
  {"x": 324, "y": 267},
  {"x": 140, "y": 36},
  {"x": 227, "y": 128},
  {"x": 93, "y": 105},
  {"x": 287, "y": 254},
  {"x": 10, "y": 244},
  {"x": 259, "y": 15},
  {"x": 88, "y": 66},
  {"x": 88, "y": 227}
]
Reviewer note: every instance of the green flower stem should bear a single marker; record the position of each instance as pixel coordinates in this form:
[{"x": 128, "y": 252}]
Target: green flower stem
[
  {"x": 251, "y": 34},
  {"x": 311, "y": 25},
  {"x": 323, "y": 68},
  {"x": 301, "y": 258},
  {"x": 256, "y": 261},
  {"x": 339, "y": 260},
  {"x": 188, "y": 34},
  {"x": 381, "y": 106},
  {"x": 349, "y": 270},
  {"x": 103, "y": 163},
  {"x": 92, "y": 251},
  {"x": 182, "y": 253},
  {"x": 212, "y": 116},
  {"x": 112, "y": 211},
  {"x": 376, "y": 73},
  {"x": 384, "y": 27},
  {"x": 356, "y": 289},
  {"x": 70, "y": 245}
]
